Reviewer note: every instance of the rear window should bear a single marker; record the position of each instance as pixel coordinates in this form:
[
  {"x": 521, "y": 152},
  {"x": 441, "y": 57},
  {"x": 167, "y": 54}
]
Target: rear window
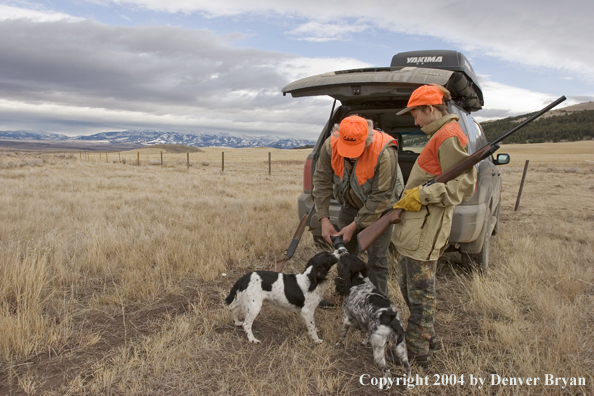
[
  {"x": 410, "y": 137},
  {"x": 402, "y": 128},
  {"x": 476, "y": 139},
  {"x": 414, "y": 140}
]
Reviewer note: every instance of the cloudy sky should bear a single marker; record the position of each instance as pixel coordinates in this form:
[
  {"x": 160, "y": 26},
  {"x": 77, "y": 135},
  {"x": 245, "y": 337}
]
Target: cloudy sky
[{"x": 86, "y": 66}]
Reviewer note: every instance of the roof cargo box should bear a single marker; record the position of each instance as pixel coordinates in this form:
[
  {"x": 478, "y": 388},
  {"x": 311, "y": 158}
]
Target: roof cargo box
[{"x": 463, "y": 83}]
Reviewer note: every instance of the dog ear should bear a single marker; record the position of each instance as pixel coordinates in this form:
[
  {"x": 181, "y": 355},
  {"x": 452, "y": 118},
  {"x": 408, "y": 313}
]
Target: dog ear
[
  {"x": 358, "y": 265},
  {"x": 342, "y": 281},
  {"x": 332, "y": 259},
  {"x": 363, "y": 269},
  {"x": 313, "y": 278}
]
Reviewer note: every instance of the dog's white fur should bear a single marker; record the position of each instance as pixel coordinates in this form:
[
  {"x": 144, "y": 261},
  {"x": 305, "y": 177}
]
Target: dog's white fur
[{"x": 298, "y": 293}]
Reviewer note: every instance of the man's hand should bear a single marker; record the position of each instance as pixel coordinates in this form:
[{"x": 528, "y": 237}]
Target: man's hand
[
  {"x": 327, "y": 229},
  {"x": 347, "y": 232}
]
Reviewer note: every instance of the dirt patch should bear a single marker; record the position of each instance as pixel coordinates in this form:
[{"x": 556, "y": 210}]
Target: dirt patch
[{"x": 110, "y": 327}]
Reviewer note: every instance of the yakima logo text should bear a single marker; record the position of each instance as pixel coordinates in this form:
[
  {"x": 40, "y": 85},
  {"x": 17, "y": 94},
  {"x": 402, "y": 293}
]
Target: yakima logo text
[{"x": 424, "y": 59}]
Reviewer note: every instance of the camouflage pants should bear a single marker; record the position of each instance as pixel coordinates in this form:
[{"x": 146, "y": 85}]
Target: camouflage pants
[
  {"x": 417, "y": 284},
  {"x": 377, "y": 253}
]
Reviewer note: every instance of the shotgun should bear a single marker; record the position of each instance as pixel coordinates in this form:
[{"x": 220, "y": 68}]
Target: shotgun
[{"x": 366, "y": 237}]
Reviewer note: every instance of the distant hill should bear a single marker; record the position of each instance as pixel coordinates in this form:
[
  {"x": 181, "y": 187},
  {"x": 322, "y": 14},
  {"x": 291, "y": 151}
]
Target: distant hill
[
  {"x": 25, "y": 135},
  {"x": 150, "y": 138},
  {"x": 176, "y": 148},
  {"x": 572, "y": 123}
]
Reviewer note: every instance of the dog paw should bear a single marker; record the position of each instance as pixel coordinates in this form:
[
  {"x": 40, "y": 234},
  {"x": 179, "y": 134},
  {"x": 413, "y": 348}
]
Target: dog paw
[{"x": 255, "y": 341}]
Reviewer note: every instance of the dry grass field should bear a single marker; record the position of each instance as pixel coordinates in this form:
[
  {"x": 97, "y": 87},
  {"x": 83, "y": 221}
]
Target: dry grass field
[{"x": 112, "y": 278}]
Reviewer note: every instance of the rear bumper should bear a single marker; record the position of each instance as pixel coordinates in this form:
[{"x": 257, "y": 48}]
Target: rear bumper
[{"x": 467, "y": 223}]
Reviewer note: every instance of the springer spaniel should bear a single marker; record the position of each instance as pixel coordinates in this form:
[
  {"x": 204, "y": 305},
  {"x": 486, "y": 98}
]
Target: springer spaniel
[
  {"x": 298, "y": 293},
  {"x": 366, "y": 308}
]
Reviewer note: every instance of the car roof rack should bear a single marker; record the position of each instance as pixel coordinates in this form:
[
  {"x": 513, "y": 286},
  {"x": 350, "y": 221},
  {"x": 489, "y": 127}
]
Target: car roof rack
[{"x": 463, "y": 84}]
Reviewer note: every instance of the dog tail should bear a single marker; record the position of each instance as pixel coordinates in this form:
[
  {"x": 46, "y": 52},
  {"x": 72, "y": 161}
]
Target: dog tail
[
  {"x": 240, "y": 285},
  {"x": 232, "y": 294}
]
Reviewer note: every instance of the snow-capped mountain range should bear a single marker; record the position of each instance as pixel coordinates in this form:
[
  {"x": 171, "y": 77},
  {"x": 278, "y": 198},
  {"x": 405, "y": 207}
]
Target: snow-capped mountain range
[{"x": 154, "y": 137}]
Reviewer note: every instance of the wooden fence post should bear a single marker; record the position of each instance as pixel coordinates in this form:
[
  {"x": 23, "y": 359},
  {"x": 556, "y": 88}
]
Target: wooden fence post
[
  {"x": 139, "y": 158},
  {"x": 188, "y": 161},
  {"x": 269, "y": 164},
  {"x": 161, "y": 158},
  {"x": 223, "y": 162},
  {"x": 521, "y": 186}
]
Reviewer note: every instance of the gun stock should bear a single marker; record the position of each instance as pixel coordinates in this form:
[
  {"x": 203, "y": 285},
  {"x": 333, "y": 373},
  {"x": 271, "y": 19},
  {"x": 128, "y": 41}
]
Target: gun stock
[
  {"x": 370, "y": 234},
  {"x": 366, "y": 237}
]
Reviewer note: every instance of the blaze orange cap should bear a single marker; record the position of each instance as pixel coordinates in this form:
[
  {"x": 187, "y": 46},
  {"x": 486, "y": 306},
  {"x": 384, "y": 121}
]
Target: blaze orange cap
[
  {"x": 352, "y": 134},
  {"x": 422, "y": 96}
]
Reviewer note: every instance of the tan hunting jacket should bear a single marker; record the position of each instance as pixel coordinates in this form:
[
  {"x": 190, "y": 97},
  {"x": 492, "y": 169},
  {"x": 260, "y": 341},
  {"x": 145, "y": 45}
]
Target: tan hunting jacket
[{"x": 423, "y": 235}]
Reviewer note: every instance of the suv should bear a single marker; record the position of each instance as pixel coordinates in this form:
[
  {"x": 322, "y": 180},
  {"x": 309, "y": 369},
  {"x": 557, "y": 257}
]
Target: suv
[{"x": 377, "y": 94}]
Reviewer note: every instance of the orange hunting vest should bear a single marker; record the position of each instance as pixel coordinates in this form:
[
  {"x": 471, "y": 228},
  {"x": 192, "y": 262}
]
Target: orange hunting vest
[
  {"x": 366, "y": 163},
  {"x": 428, "y": 160}
]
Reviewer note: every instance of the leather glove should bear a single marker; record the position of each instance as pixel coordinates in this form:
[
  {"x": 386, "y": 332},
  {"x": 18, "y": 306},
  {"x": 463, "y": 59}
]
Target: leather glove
[{"x": 411, "y": 201}]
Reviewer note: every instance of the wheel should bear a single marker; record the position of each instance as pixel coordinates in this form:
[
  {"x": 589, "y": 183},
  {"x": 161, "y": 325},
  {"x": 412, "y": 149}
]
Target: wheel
[
  {"x": 496, "y": 228},
  {"x": 480, "y": 260}
]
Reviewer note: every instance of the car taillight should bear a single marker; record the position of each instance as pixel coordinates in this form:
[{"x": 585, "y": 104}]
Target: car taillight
[{"x": 307, "y": 175}]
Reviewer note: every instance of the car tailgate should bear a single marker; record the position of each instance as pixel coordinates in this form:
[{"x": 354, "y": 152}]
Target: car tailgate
[{"x": 367, "y": 84}]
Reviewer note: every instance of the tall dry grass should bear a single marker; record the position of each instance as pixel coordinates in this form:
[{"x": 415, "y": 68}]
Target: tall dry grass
[{"x": 112, "y": 280}]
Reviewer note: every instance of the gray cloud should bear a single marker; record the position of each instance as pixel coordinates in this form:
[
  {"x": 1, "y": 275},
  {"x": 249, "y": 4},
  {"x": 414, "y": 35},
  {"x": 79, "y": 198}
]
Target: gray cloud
[
  {"x": 82, "y": 76},
  {"x": 91, "y": 62},
  {"x": 144, "y": 76},
  {"x": 546, "y": 33}
]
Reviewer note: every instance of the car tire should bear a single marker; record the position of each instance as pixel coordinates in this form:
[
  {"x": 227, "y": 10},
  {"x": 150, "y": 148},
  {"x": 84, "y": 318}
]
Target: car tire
[
  {"x": 479, "y": 261},
  {"x": 496, "y": 228}
]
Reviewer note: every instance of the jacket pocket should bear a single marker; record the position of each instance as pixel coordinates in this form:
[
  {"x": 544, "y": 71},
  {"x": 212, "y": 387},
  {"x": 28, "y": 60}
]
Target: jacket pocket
[{"x": 407, "y": 234}]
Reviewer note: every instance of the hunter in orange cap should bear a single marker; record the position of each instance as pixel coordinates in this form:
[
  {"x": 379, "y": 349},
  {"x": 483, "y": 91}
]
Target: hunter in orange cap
[
  {"x": 353, "y": 132},
  {"x": 358, "y": 167},
  {"x": 428, "y": 213},
  {"x": 423, "y": 96}
]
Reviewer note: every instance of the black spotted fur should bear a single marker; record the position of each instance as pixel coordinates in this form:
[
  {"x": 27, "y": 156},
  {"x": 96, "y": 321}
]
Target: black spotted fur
[
  {"x": 289, "y": 292},
  {"x": 366, "y": 308}
]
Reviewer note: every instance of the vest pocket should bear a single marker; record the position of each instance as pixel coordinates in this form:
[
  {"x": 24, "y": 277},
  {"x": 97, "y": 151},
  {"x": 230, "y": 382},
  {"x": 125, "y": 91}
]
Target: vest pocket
[{"x": 407, "y": 234}]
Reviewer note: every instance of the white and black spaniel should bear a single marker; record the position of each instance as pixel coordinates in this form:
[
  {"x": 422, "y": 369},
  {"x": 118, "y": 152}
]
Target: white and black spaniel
[
  {"x": 366, "y": 308},
  {"x": 299, "y": 293}
]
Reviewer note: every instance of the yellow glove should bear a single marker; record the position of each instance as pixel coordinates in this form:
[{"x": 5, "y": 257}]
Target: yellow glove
[{"x": 411, "y": 201}]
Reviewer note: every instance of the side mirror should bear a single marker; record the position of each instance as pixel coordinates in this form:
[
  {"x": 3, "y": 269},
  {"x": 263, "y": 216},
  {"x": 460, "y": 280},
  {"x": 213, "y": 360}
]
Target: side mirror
[{"x": 502, "y": 159}]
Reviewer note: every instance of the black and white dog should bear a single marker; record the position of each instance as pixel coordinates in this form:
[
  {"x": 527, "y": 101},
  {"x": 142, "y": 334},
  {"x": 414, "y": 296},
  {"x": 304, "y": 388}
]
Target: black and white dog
[
  {"x": 300, "y": 293},
  {"x": 366, "y": 308}
]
